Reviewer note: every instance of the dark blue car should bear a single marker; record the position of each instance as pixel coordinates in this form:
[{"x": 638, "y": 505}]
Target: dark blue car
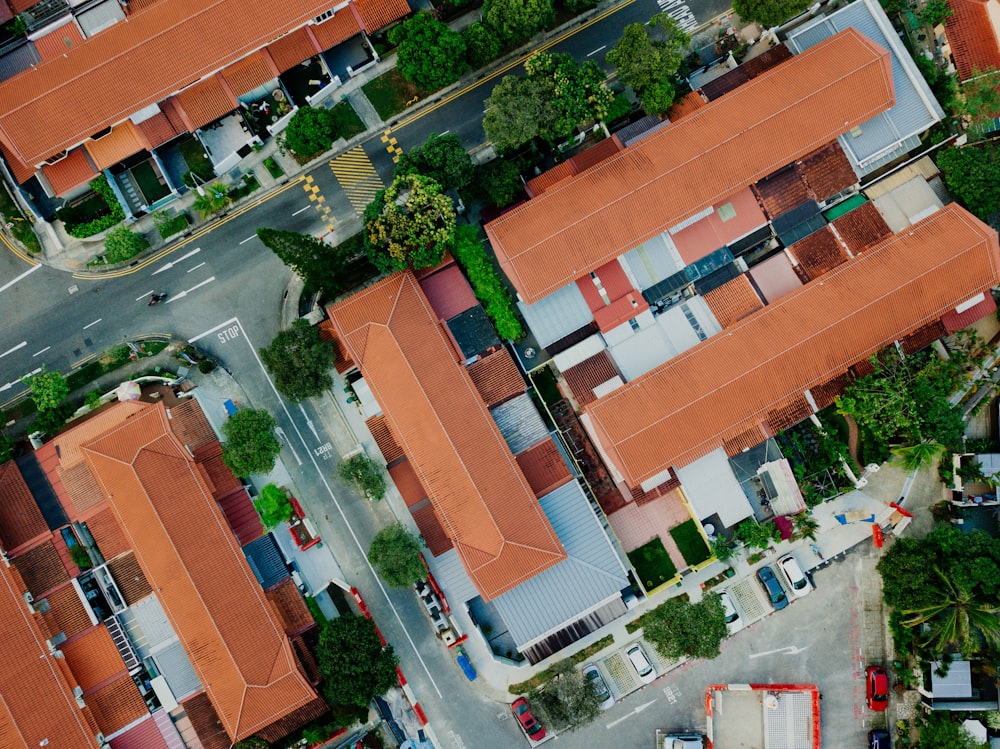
[{"x": 772, "y": 587}]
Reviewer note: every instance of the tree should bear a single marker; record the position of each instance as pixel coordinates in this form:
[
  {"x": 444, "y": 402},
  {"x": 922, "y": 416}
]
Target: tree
[
  {"x": 939, "y": 732},
  {"x": 722, "y": 548},
  {"x": 757, "y": 535},
  {"x": 273, "y": 506},
  {"x": 516, "y": 20},
  {"x": 311, "y": 131},
  {"x": 955, "y": 621},
  {"x": 299, "y": 361},
  {"x": 212, "y": 199},
  {"x": 516, "y": 111},
  {"x": 980, "y": 103},
  {"x": 567, "y": 700},
  {"x": 355, "y": 666},
  {"x": 395, "y": 555},
  {"x": 498, "y": 182},
  {"x": 482, "y": 45},
  {"x": 409, "y": 224},
  {"x": 805, "y": 525},
  {"x": 442, "y": 158},
  {"x": 924, "y": 453},
  {"x": 972, "y": 174},
  {"x": 677, "y": 628},
  {"x": 6, "y": 448},
  {"x": 121, "y": 244},
  {"x": 48, "y": 389},
  {"x": 486, "y": 283},
  {"x": 646, "y": 63},
  {"x": 51, "y": 420},
  {"x": 321, "y": 266},
  {"x": 365, "y": 474},
  {"x": 251, "y": 444},
  {"x": 769, "y": 13},
  {"x": 934, "y": 12},
  {"x": 430, "y": 54}
]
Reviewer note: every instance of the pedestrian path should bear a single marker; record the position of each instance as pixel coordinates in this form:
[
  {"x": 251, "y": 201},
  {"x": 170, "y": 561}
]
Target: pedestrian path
[{"x": 358, "y": 178}]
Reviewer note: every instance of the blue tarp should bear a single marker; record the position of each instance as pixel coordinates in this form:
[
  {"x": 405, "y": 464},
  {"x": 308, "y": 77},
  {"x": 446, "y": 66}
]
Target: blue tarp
[
  {"x": 470, "y": 672},
  {"x": 230, "y": 407}
]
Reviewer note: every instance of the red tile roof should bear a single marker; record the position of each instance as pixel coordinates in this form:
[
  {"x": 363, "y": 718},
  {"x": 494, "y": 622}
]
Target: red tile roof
[
  {"x": 731, "y": 383},
  {"x": 145, "y": 735},
  {"x": 130, "y": 578},
  {"x": 38, "y": 703},
  {"x": 59, "y": 42},
  {"x": 582, "y": 378},
  {"x": 124, "y": 140},
  {"x": 344, "y": 24},
  {"x": 66, "y": 613},
  {"x": 188, "y": 422},
  {"x": 291, "y": 608},
  {"x": 778, "y": 117},
  {"x": 93, "y": 657},
  {"x": 715, "y": 231},
  {"x": 782, "y": 191},
  {"x": 131, "y": 65},
  {"x": 41, "y": 568},
  {"x": 69, "y": 173},
  {"x": 861, "y": 228},
  {"x": 827, "y": 170},
  {"x": 109, "y": 538},
  {"x": 818, "y": 253},
  {"x": 443, "y": 426},
  {"x": 253, "y": 71},
  {"x": 544, "y": 467},
  {"x": 20, "y": 519},
  {"x": 376, "y": 14},
  {"x": 954, "y": 320},
  {"x": 116, "y": 704},
  {"x": 429, "y": 525},
  {"x": 574, "y": 165},
  {"x": 448, "y": 292},
  {"x": 406, "y": 481},
  {"x": 191, "y": 558},
  {"x": 974, "y": 36},
  {"x": 382, "y": 434},
  {"x": 733, "y": 301},
  {"x": 689, "y": 104},
  {"x": 292, "y": 49},
  {"x": 227, "y": 490},
  {"x": 496, "y": 377},
  {"x": 205, "y": 722},
  {"x": 206, "y": 101}
]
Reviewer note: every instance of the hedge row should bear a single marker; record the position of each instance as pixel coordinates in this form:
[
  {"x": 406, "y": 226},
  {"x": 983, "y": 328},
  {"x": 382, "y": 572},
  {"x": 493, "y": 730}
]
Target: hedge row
[{"x": 486, "y": 283}]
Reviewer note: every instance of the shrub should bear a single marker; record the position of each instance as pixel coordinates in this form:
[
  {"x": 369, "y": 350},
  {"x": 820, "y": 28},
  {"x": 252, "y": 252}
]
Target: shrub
[
  {"x": 486, "y": 283},
  {"x": 310, "y": 131},
  {"x": 273, "y": 167},
  {"x": 80, "y": 557},
  {"x": 273, "y": 506},
  {"x": 93, "y": 399},
  {"x": 168, "y": 225},
  {"x": 123, "y": 244},
  {"x": 619, "y": 107},
  {"x": 365, "y": 474},
  {"x": 114, "y": 213},
  {"x": 206, "y": 365}
]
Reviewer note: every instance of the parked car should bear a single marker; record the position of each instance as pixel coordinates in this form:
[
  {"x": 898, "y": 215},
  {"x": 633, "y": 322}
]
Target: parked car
[
  {"x": 796, "y": 577},
  {"x": 522, "y": 711},
  {"x": 733, "y": 621},
  {"x": 878, "y": 739},
  {"x": 877, "y": 689},
  {"x": 772, "y": 587},
  {"x": 680, "y": 741},
  {"x": 592, "y": 675},
  {"x": 641, "y": 664}
]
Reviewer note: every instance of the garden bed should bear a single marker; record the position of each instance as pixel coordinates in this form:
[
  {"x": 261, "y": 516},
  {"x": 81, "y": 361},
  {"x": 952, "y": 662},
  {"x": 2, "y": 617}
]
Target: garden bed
[
  {"x": 21, "y": 228},
  {"x": 652, "y": 564},
  {"x": 346, "y": 121},
  {"x": 110, "y": 361},
  {"x": 690, "y": 542},
  {"x": 391, "y": 93}
]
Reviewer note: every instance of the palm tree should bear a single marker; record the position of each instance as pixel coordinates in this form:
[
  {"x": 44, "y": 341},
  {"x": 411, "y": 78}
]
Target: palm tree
[
  {"x": 212, "y": 199},
  {"x": 805, "y": 525},
  {"x": 923, "y": 453},
  {"x": 956, "y": 620}
]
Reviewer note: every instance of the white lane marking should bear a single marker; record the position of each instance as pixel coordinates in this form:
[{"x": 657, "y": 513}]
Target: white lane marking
[
  {"x": 90, "y": 325},
  {"x": 312, "y": 427},
  {"x": 20, "y": 380},
  {"x": 13, "y": 281},
  {"x": 184, "y": 293},
  {"x": 445, "y": 132},
  {"x": 252, "y": 236},
  {"x": 638, "y": 709},
  {"x": 195, "y": 267},
  {"x": 42, "y": 351},
  {"x": 209, "y": 332},
  {"x": 140, "y": 298},
  {"x": 284, "y": 438},
  {"x": 21, "y": 345},
  {"x": 172, "y": 263},
  {"x": 603, "y": 46},
  {"x": 302, "y": 210},
  {"x": 790, "y": 650}
]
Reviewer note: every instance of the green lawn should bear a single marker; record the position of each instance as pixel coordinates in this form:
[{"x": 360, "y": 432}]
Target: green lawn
[
  {"x": 391, "y": 93},
  {"x": 346, "y": 122},
  {"x": 150, "y": 185},
  {"x": 690, "y": 543},
  {"x": 652, "y": 564}
]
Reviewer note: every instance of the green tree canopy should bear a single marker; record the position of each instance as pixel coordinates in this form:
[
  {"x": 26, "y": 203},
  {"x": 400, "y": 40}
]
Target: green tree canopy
[
  {"x": 365, "y": 474},
  {"x": 482, "y": 45},
  {"x": 442, "y": 158},
  {"x": 498, "y": 182},
  {"x": 677, "y": 628},
  {"x": 517, "y": 111},
  {"x": 516, "y": 20},
  {"x": 299, "y": 361},
  {"x": 395, "y": 555},
  {"x": 934, "y": 12},
  {"x": 356, "y": 668},
  {"x": 430, "y": 54},
  {"x": 489, "y": 289},
  {"x": 121, "y": 244},
  {"x": 411, "y": 223},
  {"x": 311, "y": 131},
  {"x": 980, "y": 102},
  {"x": 48, "y": 389},
  {"x": 972, "y": 174},
  {"x": 647, "y": 56},
  {"x": 769, "y": 12},
  {"x": 273, "y": 506},
  {"x": 941, "y": 732},
  {"x": 212, "y": 199},
  {"x": 757, "y": 535},
  {"x": 323, "y": 267},
  {"x": 251, "y": 444},
  {"x": 567, "y": 700}
]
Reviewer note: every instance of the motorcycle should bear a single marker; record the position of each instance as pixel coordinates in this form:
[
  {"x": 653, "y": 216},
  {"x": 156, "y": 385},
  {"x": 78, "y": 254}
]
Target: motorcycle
[{"x": 156, "y": 299}]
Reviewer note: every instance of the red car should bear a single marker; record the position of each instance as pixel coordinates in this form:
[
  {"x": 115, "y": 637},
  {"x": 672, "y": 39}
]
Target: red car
[
  {"x": 521, "y": 710},
  {"x": 877, "y": 691}
]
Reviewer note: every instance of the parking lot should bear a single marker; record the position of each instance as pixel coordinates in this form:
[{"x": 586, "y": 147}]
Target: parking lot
[{"x": 825, "y": 638}]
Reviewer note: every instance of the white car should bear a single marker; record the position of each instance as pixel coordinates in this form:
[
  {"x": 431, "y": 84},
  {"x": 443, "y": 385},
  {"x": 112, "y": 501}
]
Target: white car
[
  {"x": 734, "y": 623},
  {"x": 797, "y": 579},
  {"x": 683, "y": 741},
  {"x": 641, "y": 664}
]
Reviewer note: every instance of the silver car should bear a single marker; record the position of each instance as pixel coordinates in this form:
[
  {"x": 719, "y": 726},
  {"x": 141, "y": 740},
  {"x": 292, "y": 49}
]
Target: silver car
[
  {"x": 593, "y": 676},
  {"x": 734, "y": 623},
  {"x": 640, "y": 662}
]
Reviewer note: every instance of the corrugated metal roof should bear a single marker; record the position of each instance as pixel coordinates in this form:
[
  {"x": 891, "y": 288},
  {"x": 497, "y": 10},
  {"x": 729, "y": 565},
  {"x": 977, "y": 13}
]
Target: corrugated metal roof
[
  {"x": 973, "y": 36},
  {"x": 729, "y": 384},
  {"x": 520, "y": 423},
  {"x": 724, "y": 146},
  {"x": 557, "y": 315},
  {"x": 711, "y": 488},
  {"x": 653, "y": 261},
  {"x": 266, "y": 561},
  {"x": 955, "y": 320}
]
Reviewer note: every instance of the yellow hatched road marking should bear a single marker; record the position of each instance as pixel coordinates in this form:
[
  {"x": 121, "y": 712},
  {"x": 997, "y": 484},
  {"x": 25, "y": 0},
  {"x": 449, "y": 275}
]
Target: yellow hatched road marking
[{"x": 357, "y": 176}]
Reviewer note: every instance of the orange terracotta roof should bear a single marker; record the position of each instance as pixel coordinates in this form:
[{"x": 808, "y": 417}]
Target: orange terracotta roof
[
  {"x": 66, "y": 613},
  {"x": 377, "y": 14},
  {"x": 41, "y": 568},
  {"x": 496, "y": 377},
  {"x": 733, "y": 301},
  {"x": 544, "y": 467},
  {"x": 732, "y": 218},
  {"x": 574, "y": 165},
  {"x": 159, "y": 128},
  {"x": 69, "y": 173},
  {"x": 481, "y": 497},
  {"x": 727, "y": 145},
  {"x": 291, "y": 49},
  {"x": 974, "y": 36},
  {"x": 291, "y": 608},
  {"x": 689, "y": 104},
  {"x": 253, "y": 71},
  {"x": 861, "y": 228},
  {"x": 21, "y": 171},
  {"x": 131, "y": 65},
  {"x": 189, "y": 423},
  {"x": 783, "y": 190},
  {"x": 116, "y": 704},
  {"x": 827, "y": 170},
  {"x": 130, "y": 578},
  {"x": 83, "y": 493},
  {"x": 191, "y": 558},
  {"x": 430, "y": 527},
  {"x": 734, "y": 382},
  {"x": 407, "y": 483},
  {"x": 340, "y": 28},
  {"x": 545, "y": 181},
  {"x": 38, "y": 703},
  {"x": 58, "y": 42},
  {"x": 592, "y": 372},
  {"x": 205, "y": 722},
  {"x": 124, "y": 140},
  {"x": 342, "y": 359},
  {"x": 107, "y": 535},
  {"x": 93, "y": 657},
  {"x": 20, "y": 519},
  {"x": 818, "y": 253},
  {"x": 206, "y": 101},
  {"x": 308, "y": 713},
  {"x": 382, "y": 434}
]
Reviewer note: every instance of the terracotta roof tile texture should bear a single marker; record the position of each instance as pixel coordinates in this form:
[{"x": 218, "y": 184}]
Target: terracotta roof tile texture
[
  {"x": 41, "y": 568},
  {"x": 726, "y": 145},
  {"x": 782, "y": 191},
  {"x": 448, "y": 292},
  {"x": 145, "y": 735},
  {"x": 861, "y": 228},
  {"x": 130, "y": 578},
  {"x": 544, "y": 467},
  {"x": 827, "y": 170},
  {"x": 69, "y": 173},
  {"x": 406, "y": 481},
  {"x": 66, "y": 613},
  {"x": 294, "y": 720},
  {"x": 158, "y": 52},
  {"x": 733, "y": 301},
  {"x": 480, "y": 495},
  {"x": 205, "y": 722},
  {"x": 340, "y": 28},
  {"x": 93, "y": 657},
  {"x": 972, "y": 34},
  {"x": 253, "y": 71},
  {"x": 922, "y": 337},
  {"x": 727, "y": 385},
  {"x": 292, "y": 49},
  {"x": 206, "y": 101},
  {"x": 108, "y": 536},
  {"x": 291, "y": 608},
  {"x": 20, "y": 519},
  {"x": 582, "y": 378},
  {"x": 117, "y": 704},
  {"x": 382, "y": 434},
  {"x": 188, "y": 422},
  {"x": 191, "y": 558},
  {"x": 826, "y": 393},
  {"x": 555, "y": 176},
  {"x": 38, "y": 702},
  {"x": 67, "y": 445},
  {"x": 429, "y": 525},
  {"x": 59, "y": 42},
  {"x": 818, "y": 253},
  {"x": 124, "y": 140},
  {"x": 376, "y": 14},
  {"x": 81, "y": 489},
  {"x": 496, "y": 377}
]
